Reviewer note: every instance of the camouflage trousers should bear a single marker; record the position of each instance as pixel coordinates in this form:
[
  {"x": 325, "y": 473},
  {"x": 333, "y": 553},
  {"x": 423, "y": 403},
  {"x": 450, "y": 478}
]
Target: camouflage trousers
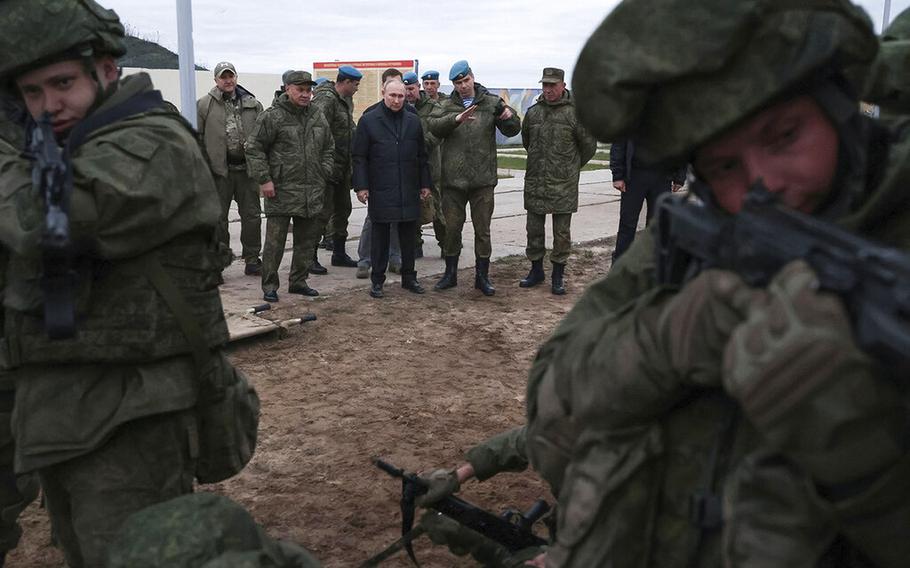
[
  {"x": 454, "y": 202},
  {"x": 306, "y": 232},
  {"x": 146, "y": 461},
  {"x": 16, "y": 492},
  {"x": 562, "y": 236},
  {"x": 337, "y": 209},
  {"x": 237, "y": 186}
]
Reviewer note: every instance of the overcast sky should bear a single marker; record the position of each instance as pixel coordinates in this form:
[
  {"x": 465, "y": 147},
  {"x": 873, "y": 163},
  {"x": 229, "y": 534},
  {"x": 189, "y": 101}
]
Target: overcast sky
[{"x": 506, "y": 42}]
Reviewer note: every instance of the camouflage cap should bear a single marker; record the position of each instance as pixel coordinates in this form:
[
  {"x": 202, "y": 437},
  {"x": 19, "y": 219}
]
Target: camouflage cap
[
  {"x": 300, "y": 78},
  {"x": 552, "y": 75},
  {"x": 675, "y": 73},
  {"x": 37, "y": 32},
  {"x": 889, "y": 82},
  {"x": 224, "y": 66}
]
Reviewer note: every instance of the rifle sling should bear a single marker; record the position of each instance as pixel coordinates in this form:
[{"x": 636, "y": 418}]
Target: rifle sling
[{"x": 138, "y": 104}]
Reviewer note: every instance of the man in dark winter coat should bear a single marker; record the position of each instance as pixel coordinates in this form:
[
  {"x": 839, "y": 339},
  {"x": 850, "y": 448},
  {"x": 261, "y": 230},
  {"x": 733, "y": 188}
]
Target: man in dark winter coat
[
  {"x": 638, "y": 184},
  {"x": 392, "y": 172}
]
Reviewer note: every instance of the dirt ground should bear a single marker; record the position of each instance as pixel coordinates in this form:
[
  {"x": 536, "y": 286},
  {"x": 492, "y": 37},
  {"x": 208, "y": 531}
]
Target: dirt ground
[{"x": 417, "y": 380}]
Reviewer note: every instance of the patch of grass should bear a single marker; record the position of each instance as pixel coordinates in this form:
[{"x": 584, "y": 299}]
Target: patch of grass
[
  {"x": 509, "y": 163},
  {"x": 589, "y": 167},
  {"x": 600, "y": 155}
]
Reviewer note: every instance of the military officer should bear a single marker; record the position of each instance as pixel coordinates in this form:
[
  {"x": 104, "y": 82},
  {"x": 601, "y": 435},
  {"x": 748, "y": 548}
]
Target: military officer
[
  {"x": 336, "y": 102},
  {"x": 106, "y": 412},
  {"x": 290, "y": 154},
  {"x": 558, "y": 146},
  {"x": 226, "y": 116},
  {"x": 467, "y": 124},
  {"x": 715, "y": 424},
  {"x": 424, "y": 106},
  {"x": 431, "y": 86}
]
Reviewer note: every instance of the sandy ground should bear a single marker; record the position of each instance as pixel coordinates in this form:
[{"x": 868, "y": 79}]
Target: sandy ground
[{"x": 417, "y": 380}]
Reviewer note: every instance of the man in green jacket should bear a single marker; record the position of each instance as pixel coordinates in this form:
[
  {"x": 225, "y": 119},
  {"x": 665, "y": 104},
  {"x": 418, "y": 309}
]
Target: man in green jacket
[
  {"x": 424, "y": 105},
  {"x": 226, "y": 115},
  {"x": 106, "y": 413},
  {"x": 336, "y": 102},
  {"x": 289, "y": 154},
  {"x": 558, "y": 146},
  {"x": 467, "y": 124},
  {"x": 713, "y": 423},
  {"x": 889, "y": 82}
]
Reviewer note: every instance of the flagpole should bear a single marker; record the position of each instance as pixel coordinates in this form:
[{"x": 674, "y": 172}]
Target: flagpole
[{"x": 186, "y": 60}]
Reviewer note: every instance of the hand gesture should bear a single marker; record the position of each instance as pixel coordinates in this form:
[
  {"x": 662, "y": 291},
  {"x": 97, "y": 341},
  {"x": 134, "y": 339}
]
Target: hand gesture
[{"x": 468, "y": 114}]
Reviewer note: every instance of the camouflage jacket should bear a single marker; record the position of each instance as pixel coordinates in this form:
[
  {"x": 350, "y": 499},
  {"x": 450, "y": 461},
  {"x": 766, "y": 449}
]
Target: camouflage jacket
[
  {"x": 558, "y": 146},
  {"x": 292, "y": 147},
  {"x": 503, "y": 452},
  {"x": 425, "y": 107},
  {"x": 618, "y": 485},
  {"x": 469, "y": 150},
  {"x": 339, "y": 112},
  {"x": 211, "y": 113},
  {"x": 143, "y": 195}
]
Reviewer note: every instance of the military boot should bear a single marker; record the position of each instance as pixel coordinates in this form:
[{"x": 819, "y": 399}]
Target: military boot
[
  {"x": 535, "y": 276},
  {"x": 450, "y": 277},
  {"x": 340, "y": 256},
  {"x": 317, "y": 268},
  {"x": 482, "y": 277},
  {"x": 559, "y": 285}
]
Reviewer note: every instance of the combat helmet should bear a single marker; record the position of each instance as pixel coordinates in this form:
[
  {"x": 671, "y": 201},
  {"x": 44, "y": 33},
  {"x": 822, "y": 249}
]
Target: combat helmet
[
  {"x": 674, "y": 74},
  {"x": 38, "y": 32}
]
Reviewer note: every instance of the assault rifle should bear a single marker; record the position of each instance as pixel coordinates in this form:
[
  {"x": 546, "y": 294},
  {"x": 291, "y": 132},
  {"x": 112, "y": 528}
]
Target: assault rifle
[
  {"x": 512, "y": 529},
  {"x": 53, "y": 182},
  {"x": 873, "y": 280}
]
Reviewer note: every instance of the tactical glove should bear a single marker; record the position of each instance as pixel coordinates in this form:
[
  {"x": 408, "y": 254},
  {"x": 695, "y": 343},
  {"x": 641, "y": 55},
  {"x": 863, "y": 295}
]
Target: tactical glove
[
  {"x": 808, "y": 388},
  {"x": 440, "y": 484},
  {"x": 462, "y": 541}
]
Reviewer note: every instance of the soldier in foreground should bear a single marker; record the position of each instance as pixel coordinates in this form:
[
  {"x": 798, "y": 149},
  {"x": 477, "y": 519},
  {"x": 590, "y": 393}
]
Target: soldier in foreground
[
  {"x": 107, "y": 411},
  {"x": 335, "y": 101},
  {"x": 290, "y": 155},
  {"x": 467, "y": 123},
  {"x": 226, "y": 115},
  {"x": 558, "y": 147},
  {"x": 713, "y": 423}
]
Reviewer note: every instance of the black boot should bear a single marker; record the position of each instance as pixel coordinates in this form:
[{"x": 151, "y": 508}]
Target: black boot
[
  {"x": 482, "y": 277},
  {"x": 559, "y": 284},
  {"x": 535, "y": 276},
  {"x": 340, "y": 257},
  {"x": 410, "y": 283},
  {"x": 450, "y": 277},
  {"x": 317, "y": 268}
]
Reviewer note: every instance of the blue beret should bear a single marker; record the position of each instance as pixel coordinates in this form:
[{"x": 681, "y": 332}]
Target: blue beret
[
  {"x": 459, "y": 70},
  {"x": 409, "y": 78},
  {"x": 430, "y": 76},
  {"x": 321, "y": 80},
  {"x": 350, "y": 72}
]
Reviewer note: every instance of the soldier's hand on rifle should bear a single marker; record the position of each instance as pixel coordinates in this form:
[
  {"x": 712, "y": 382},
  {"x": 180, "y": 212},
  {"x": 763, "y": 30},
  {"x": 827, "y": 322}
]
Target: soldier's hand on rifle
[
  {"x": 809, "y": 390},
  {"x": 440, "y": 484},
  {"x": 267, "y": 189},
  {"x": 468, "y": 114}
]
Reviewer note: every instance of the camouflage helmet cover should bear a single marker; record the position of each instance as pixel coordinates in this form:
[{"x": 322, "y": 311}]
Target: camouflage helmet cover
[
  {"x": 675, "y": 73},
  {"x": 36, "y": 31},
  {"x": 889, "y": 81}
]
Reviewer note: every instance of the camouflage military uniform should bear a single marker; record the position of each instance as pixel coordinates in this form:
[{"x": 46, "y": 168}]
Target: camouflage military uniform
[
  {"x": 223, "y": 127},
  {"x": 204, "y": 530},
  {"x": 469, "y": 166},
  {"x": 889, "y": 82},
  {"x": 16, "y": 492},
  {"x": 339, "y": 112},
  {"x": 637, "y": 415},
  {"x": 425, "y": 107},
  {"x": 558, "y": 146},
  {"x": 108, "y": 417},
  {"x": 292, "y": 147}
]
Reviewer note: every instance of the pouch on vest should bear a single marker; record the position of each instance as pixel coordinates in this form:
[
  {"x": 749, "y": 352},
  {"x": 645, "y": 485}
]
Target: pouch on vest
[{"x": 228, "y": 415}]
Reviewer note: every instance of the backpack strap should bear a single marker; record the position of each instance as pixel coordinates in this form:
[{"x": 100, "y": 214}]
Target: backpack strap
[{"x": 138, "y": 104}]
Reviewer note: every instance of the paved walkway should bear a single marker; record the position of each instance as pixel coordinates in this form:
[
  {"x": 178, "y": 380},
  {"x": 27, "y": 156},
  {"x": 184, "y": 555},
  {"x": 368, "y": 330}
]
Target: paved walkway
[{"x": 597, "y": 217}]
